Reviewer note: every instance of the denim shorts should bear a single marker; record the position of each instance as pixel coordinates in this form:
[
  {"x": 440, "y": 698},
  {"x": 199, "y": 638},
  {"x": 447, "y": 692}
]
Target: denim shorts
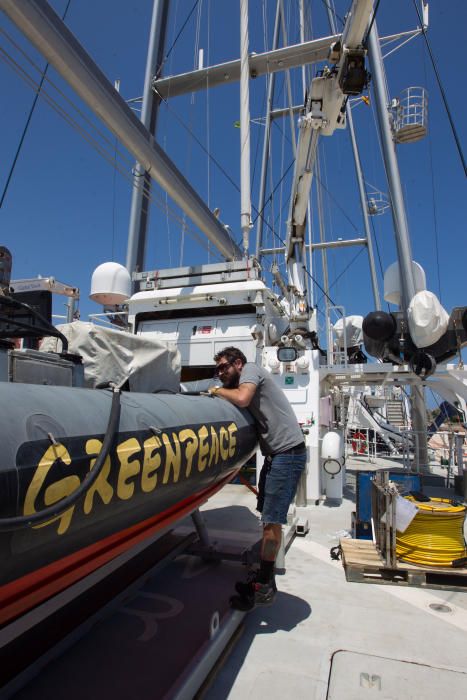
[{"x": 281, "y": 481}]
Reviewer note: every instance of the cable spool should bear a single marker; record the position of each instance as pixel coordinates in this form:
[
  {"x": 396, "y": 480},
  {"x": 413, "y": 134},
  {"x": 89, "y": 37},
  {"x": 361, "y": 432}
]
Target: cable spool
[{"x": 435, "y": 537}]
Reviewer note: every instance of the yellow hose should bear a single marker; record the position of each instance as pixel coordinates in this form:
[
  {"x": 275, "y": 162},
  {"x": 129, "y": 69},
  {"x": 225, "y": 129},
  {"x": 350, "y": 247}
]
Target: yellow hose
[{"x": 435, "y": 537}]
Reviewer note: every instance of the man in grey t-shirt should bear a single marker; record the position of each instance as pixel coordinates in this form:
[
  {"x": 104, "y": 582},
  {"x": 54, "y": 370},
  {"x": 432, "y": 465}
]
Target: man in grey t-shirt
[{"x": 281, "y": 441}]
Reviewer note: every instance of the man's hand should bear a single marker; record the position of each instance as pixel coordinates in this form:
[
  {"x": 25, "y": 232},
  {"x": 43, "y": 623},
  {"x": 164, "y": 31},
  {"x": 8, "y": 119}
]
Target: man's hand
[{"x": 240, "y": 396}]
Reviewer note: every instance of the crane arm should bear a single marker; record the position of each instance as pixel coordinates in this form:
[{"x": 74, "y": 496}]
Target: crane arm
[{"x": 324, "y": 113}]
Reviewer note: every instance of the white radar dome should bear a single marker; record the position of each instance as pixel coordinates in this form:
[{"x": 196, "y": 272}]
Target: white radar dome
[
  {"x": 110, "y": 284},
  {"x": 392, "y": 282}
]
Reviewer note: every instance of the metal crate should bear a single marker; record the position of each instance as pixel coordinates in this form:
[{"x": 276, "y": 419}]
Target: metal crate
[{"x": 34, "y": 367}]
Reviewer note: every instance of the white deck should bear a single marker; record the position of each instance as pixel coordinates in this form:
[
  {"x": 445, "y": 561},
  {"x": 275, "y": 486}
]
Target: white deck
[
  {"x": 323, "y": 638},
  {"x": 286, "y": 650}
]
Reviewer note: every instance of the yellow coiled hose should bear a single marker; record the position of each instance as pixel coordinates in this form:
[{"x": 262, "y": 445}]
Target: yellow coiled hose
[{"x": 435, "y": 537}]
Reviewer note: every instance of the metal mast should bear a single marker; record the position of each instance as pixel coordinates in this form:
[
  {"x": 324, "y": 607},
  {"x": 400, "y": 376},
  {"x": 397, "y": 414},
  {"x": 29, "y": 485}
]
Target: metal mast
[
  {"x": 139, "y": 215},
  {"x": 401, "y": 230},
  {"x": 266, "y": 142},
  {"x": 244, "y": 127}
]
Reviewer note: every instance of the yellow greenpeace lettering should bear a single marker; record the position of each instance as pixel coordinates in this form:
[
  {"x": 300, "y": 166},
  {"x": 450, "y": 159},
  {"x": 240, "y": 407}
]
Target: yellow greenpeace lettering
[
  {"x": 55, "y": 492},
  {"x": 189, "y": 436},
  {"x": 214, "y": 456},
  {"x": 224, "y": 444},
  {"x": 203, "y": 449},
  {"x": 134, "y": 468},
  {"x": 101, "y": 484},
  {"x": 128, "y": 468},
  {"x": 172, "y": 458},
  {"x": 232, "y": 429},
  {"x": 151, "y": 463}
]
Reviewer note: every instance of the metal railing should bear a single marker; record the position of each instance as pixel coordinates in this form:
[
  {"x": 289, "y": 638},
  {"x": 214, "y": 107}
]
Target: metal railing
[
  {"x": 336, "y": 355},
  {"x": 447, "y": 450},
  {"x": 118, "y": 320},
  {"x": 411, "y": 115}
]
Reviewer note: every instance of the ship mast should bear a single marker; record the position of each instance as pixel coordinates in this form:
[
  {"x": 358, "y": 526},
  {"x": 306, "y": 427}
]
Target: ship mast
[
  {"x": 401, "y": 229},
  {"x": 139, "y": 215}
]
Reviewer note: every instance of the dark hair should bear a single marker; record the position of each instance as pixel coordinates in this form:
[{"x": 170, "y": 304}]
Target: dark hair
[{"x": 231, "y": 354}]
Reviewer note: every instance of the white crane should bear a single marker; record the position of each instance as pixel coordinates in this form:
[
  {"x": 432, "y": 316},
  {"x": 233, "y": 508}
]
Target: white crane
[{"x": 324, "y": 112}]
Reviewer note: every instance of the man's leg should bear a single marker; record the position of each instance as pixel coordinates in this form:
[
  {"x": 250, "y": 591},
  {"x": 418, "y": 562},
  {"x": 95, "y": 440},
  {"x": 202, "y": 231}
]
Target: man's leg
[
  {"x": 272, "y": 536},
  {"x": 280, "y": 486}
]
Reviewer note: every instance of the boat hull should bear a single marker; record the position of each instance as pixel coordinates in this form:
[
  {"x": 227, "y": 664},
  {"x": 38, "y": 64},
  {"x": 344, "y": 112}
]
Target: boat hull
[{"x": 171, "y": 452}]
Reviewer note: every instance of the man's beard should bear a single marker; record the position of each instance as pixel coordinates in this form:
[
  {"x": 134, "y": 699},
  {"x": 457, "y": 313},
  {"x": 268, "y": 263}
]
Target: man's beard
[{"x": 231, "y": 380}]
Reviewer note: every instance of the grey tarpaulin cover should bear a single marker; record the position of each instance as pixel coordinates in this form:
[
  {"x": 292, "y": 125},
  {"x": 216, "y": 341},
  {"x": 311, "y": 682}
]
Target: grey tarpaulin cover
[{"x": 113, "y": 355}]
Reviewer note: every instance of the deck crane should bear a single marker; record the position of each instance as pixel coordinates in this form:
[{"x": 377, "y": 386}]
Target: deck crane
[{"x": 324, "y": 112}]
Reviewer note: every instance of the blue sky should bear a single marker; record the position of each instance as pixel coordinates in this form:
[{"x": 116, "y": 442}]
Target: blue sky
[{"x": 67, "y": 209}]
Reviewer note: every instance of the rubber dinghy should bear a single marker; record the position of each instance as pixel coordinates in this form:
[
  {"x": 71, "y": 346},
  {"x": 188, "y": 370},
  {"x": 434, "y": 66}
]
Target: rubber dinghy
[{"x": 127, "y": 464}]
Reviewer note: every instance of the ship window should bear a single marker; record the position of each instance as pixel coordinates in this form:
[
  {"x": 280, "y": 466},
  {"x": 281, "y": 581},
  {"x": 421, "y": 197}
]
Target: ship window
[
  {"x": 217, "y": 311},
  {"x": 287, "y": 354}
]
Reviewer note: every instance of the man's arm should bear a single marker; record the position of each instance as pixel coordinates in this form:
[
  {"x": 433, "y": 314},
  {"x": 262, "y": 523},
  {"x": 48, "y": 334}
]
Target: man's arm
[{"x": 241, "y": 396}]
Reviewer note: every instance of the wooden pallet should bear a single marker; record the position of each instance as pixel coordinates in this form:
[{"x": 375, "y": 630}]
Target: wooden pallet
[{"x": 364, "y": 564}]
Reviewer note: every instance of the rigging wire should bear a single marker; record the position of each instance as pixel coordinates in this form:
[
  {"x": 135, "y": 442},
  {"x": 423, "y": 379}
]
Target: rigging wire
[
  {"x": 208, "y": 114},
  {"x": 271, "y": 211},
  {"x": 375, "y": 238},
  {"x": 96, "y": 145},
  {"x": 268, "y": 77},
  {"x": 328, "y": 192},
  {"x": 433, "y": 194},
  {"x": 28, "y": 121},
  {"x": 258, "y": 139},
  {"x": 55, "y": 105},
  {"x": 357, "y": 254},
  {"x": 344, "y": 271},
  {"x": 330, "y": 6},
  {"x": 443, "y": 94},
  {"x": 365, "y": 41},
  {"x": 327, "y": 210},
  {"x": 191, "y": 117},
  {"x": 218, "y": 164},
  {"x": 169, "y": 68},
  {"x": 169, "y": 237},
  {"x": 34, "y": 85},
  {"x": 260, "y": 213},
  {"x": 281, "y": 197},
  {"x": 114, "y": 188},
  {"x": 177, "y": 37},
  {"x": 315, "y": 281},
  {"x": 331, "y": 196}
]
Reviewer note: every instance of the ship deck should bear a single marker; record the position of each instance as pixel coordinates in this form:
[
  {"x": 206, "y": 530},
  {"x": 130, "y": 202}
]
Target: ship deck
[{"x": 324, "y": 637}]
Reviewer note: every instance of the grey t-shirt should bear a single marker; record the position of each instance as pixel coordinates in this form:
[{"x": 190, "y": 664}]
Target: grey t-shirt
[{"x": 278, "y": 429}]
